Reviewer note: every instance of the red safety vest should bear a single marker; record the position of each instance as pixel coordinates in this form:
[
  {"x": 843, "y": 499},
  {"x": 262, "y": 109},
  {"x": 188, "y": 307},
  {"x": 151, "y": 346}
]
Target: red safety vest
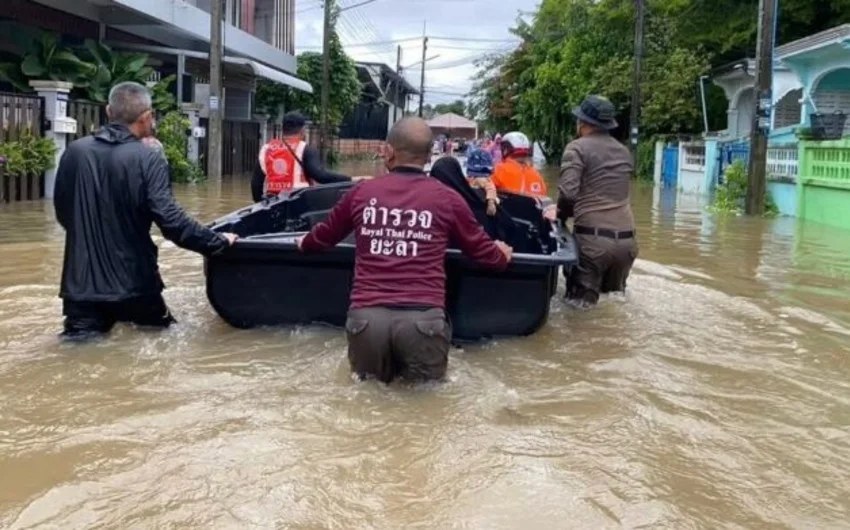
[{"x": 283, "y": 171}]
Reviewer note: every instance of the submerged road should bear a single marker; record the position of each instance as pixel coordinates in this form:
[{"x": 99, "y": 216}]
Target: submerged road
[{"x": 716, "y": 394}]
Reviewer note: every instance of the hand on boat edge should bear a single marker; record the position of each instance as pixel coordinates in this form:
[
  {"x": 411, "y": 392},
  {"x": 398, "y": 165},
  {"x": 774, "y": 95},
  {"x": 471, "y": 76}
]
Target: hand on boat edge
[
  {"x": 506, "y": 249},
  {"x": 230, "y": 237}
]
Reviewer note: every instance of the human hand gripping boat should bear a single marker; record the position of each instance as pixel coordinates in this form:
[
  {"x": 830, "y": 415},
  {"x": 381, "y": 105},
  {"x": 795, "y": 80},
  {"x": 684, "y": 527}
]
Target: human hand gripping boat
[{"x": 264, "y": 280}]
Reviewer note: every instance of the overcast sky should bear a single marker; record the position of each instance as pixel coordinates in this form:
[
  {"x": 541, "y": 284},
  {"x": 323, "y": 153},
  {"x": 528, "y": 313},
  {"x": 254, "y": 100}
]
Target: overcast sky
[{"x": 448, "y": 76}]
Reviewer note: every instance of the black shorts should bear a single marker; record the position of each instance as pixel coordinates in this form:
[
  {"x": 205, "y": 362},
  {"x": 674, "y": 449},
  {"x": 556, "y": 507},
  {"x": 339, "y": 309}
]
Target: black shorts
[
  {"x": 82, "y": 318},
  {"x": 386, "y": 343}
]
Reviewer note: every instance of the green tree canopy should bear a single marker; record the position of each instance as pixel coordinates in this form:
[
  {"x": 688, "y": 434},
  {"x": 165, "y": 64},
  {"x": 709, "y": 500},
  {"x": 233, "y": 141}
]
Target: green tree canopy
[
  {"x": 344, "y": 82},
  {"x": 572, "y": 48}
]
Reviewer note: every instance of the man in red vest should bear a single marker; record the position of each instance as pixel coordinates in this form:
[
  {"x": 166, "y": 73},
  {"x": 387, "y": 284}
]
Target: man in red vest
[
  {"x": 288, "y": 163},
  {"x": 403, "y": 223}
]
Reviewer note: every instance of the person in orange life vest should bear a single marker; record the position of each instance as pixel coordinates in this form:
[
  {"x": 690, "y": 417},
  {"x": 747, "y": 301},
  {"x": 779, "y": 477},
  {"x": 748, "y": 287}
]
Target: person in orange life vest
[
  {"x": 288, "y": 163},
  {"x": 516, "y": 172}
]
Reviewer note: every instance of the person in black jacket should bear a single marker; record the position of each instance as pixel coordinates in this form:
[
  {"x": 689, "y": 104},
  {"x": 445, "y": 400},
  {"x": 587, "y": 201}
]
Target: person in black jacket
[
  {"x": 110, "y": 188},
  {"x": 293, "y": 126}
]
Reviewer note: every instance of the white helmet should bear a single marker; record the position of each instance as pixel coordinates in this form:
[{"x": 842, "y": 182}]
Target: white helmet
[{"x": 516, "y": 144}]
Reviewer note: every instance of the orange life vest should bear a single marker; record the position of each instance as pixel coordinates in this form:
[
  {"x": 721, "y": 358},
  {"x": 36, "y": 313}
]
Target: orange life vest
[
  {"x": 283, "y": 171},
  {"x": 513, "y": 176}
]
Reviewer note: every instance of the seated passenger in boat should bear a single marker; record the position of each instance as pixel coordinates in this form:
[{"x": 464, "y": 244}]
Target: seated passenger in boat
[
  {"x": 288, "y": 163},
  {"x": 482, "y": 201},
  {"x": 516, "y": 172}
]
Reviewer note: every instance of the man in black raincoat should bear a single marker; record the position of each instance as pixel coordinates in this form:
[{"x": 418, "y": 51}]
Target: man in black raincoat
[{"x": 110, "y": 188}]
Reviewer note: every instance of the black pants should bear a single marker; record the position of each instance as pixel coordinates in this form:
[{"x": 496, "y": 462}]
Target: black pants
[
  {"x": 386, "y": 343},
  {"x": 84, "y": 318}
]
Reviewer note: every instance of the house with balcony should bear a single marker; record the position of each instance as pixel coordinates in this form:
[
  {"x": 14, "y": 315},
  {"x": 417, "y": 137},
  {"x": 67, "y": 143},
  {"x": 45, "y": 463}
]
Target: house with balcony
[
  {"x": 808, "y": 176},
  {"x": 258, "y": 37}
]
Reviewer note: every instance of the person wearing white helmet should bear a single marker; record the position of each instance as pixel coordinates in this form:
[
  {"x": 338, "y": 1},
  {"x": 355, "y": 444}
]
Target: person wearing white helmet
[{"x": 516, "y": 172}]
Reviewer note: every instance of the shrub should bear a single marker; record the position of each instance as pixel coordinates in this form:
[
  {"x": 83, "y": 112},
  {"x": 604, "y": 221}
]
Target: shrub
[
  {"x": 172, "y": 132},
  {"x": 28, "y": 155},
  {"x": 729, "y": 197}
]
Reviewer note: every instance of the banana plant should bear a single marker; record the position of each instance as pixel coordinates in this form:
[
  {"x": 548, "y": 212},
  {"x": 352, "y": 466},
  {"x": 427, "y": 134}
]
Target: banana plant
[
  {"x": 113, "y": 67},
  {"x": 44, "y": 57}
]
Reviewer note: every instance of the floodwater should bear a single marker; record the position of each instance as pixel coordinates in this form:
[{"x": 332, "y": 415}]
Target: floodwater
[{"x": 716, "y": 394}]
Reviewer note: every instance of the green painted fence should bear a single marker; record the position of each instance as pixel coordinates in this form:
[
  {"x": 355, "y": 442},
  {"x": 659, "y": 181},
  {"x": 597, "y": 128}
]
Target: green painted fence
[{"x": 824, "y": 182}]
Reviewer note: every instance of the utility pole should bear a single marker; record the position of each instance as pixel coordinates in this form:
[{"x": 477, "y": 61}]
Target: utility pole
[
  {"x": 397, "y": 83},
  {"x": 764, "y": 98},
  {"x": 634, "y": 121},
  {"x": 214, "y": 148},
  {"x": 326, "y": 79},
  {"x": 422, "y": 79}
]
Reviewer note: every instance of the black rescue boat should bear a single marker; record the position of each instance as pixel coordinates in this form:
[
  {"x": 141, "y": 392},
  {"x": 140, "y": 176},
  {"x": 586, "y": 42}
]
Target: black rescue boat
[{"x": 264, "y": 280}]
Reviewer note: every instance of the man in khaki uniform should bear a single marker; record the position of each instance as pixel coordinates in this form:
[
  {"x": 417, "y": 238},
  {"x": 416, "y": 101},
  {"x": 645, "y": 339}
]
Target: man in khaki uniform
[{"x": 594, "y": 189}]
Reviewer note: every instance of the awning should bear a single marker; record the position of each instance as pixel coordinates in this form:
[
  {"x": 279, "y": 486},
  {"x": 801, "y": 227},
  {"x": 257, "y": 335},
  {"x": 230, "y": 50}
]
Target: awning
[
  {"x": 259, "y": 69},
  {"x": 271, "y": 74}
]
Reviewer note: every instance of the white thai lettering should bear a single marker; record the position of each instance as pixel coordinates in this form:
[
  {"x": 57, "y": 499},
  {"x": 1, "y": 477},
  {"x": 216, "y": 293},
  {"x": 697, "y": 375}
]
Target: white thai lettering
[
  {"x": 395, "y": 213},
  {"x": 425, "y": 219},
  {"x": 413, "y": 217},
  {"x": 369, "y": 212}
]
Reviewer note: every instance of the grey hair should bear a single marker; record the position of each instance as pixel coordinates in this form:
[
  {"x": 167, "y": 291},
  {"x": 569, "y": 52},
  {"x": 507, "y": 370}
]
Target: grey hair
[{"x": 127, "y": 102}]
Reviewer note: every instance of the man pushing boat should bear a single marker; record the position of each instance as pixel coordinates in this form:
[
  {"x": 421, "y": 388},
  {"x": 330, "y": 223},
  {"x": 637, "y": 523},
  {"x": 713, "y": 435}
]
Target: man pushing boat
[
  {"x": 403, "y": 223},
  {"x": 289, "y": 163}
]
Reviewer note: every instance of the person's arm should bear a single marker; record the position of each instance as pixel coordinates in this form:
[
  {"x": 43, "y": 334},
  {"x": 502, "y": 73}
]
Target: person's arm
[
  {"x": 498, "y": 177},
  {"x": 572, "y": 168},
  {"x": 314, "y": 171},
  {"x": 175, "y": 224},
  {"x": 257, "y": 180},
  {"x": 468, "y": 234},
  {"x": 63, "y": 191},
  {"x": 332, "y": 230}
]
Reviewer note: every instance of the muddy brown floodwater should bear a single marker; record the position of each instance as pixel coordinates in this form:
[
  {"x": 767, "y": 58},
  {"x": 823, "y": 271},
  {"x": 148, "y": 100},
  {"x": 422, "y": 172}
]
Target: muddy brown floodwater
[{"x": 716, "y": 394}]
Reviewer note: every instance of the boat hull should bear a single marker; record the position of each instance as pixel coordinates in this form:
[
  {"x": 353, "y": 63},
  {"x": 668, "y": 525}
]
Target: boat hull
[{"x": 264, "y": 280}]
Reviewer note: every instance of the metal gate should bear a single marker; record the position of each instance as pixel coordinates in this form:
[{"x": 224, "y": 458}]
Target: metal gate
[
  {"x": 20, "y": 115},
  {"x": 731, "y": 152},
  {"x": 670, "y": 167}
]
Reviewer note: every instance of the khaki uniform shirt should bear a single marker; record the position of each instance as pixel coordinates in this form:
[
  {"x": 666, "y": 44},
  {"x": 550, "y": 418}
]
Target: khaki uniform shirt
[{"x": 596, "y": 175}]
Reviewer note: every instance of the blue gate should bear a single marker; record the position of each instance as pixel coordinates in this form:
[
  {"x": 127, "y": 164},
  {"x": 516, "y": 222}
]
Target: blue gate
[
  {"x": 731, "y": 152},
  {"x": 670, "y": 167}
]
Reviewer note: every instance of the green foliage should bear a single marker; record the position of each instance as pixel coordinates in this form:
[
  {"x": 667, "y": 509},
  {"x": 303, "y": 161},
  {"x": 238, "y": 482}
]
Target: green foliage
[
  {"x": 456, "y": 107},
  {"x": 344, "y": 94},
  {"x": 28, "y": 155},
  {"x": 43, "y": 57},
  {"x": 111, "y": 68},
  {"x": 729, "y": 197},
  {"x": 163, "y": 100},
  {"x": 573, "y": 48},
  {"x": 646, "y": 160},
  {"x": 271, "y": 97},
  {"x": 171, "y": 131}
]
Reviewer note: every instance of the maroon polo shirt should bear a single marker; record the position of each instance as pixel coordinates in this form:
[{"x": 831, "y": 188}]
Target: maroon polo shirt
[{"x": 403, "y": 223}]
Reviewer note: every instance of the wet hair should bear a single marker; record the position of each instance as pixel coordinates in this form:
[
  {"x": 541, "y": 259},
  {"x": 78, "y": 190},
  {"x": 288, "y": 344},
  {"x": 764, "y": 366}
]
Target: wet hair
[
  {"x": 127, "y": 102},
  {"x": 293, "y": 122},
  {"x": 411, "y": 139}
]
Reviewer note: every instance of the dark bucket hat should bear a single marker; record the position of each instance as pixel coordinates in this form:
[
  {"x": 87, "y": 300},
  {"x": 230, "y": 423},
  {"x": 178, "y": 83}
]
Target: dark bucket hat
[{"x": 598, "y": 111}]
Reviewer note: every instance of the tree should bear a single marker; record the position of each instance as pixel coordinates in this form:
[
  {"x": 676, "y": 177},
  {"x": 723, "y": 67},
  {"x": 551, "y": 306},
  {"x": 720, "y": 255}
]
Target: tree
[
  {"x": 572, "y": 48},
  {"x": 456, "y": 107},
  {"x": 344, "y": 96}
]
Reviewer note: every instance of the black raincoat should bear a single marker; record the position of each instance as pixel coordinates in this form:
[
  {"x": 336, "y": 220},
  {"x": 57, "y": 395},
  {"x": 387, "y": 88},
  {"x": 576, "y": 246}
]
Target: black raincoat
[{"x": 110, "y": 188}]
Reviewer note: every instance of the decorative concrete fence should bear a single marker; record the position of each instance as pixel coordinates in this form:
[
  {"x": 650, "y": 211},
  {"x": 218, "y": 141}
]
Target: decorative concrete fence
[{"x": 824, "y": 182}]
